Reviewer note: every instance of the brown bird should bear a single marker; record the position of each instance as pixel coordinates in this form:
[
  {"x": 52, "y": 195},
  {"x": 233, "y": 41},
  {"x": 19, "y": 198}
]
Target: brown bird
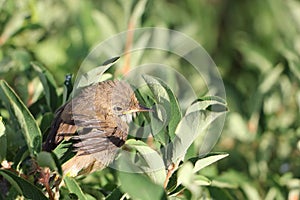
[{"x": 97, "y": 119}]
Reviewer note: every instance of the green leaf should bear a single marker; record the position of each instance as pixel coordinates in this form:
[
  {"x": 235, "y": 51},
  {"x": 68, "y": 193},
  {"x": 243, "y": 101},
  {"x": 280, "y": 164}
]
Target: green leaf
[
  {"x": 13, "y": 25},
  {"x": 238, "y": 127},
  {"x": 251, "y": 192},
  {"x": 24, "y": 187},
  {"x": 230, "y": 179},
  {"x": 201, "y": 180},
  {"x": 94, "y": 76},
  {"x": 64, "y": 151},
  {"x": 115, "y": 194},
  {"x": 295, "y": 67},
  {"x": 30, "y": 129},
  {"x": 46, "y": 159},
  {"x": 190, "y": 180},
  {"x": 145, "y": 160},
  {"x": 138, "y": 186},
  {"x": 21, "y": 155},
  {"x": 185, "y": 174},
  {"x": 142, "y": 41},
  {"x": 105, "y": 76},
  {"x": 138, "y": 11},
  {"x": 46, "y": 121},
  {"x": 204, "y": 162},
  {"x": 270, "y": 79},
  {"x": 74, "y": 188},
  {"x": 195, "y": 123},
  {"x": 164, "y": 96},
  {"x": 49, "y": 85},
  {"x": 103, "y": 20},
  {"x": 187, "y": 131},
  {"x": 212, "y": 103},
  {"x": 3, "y": 141}
]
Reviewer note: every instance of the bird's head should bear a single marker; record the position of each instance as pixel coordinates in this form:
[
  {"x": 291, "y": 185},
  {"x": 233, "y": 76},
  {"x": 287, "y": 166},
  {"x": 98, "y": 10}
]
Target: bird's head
[{"x": 125, "y": 103}]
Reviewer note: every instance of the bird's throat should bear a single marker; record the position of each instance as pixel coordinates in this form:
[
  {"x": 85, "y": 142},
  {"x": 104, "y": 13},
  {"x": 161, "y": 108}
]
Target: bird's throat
[{"x": 127, "y": 117}]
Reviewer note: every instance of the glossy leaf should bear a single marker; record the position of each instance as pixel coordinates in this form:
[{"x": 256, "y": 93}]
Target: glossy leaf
[
  {"x": 94, "y": 75},
  {"x": 149, "y": 161},
  {"x": 190, "y": 180},
  {"x": 74, "y": 188},
  {"x": 204, "y": 162},
  {"x": 23, "y": 187},
  {"x": 115, "y": 194},
  {"x": 211, "y": 103},
  {"x": 30, "y": 129},
  {"x": 191, "y": 126},
  {"x": 47, "y": 159},
  {"x": 169, "y": 112},
  {"x": 144, "y": 189},
  {"x": 49, "y": 85},
  {"x": 270, "y": 79}
]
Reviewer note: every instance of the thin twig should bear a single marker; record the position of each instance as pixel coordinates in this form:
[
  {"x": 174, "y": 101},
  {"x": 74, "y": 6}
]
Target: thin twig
[
  {"x": 171, "y": 170},
  {"x": 45, "y": 178},
  {"x": 128, "y": 46}
]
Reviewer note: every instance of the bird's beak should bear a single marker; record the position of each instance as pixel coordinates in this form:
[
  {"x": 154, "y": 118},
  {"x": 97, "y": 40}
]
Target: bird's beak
[
  {"x": 144, "y": 109},
  {"x": 140, "y": 108}
]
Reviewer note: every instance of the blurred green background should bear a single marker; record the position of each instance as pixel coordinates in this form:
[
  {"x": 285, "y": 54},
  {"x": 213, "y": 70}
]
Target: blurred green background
[{"x": 254, "y": 43}]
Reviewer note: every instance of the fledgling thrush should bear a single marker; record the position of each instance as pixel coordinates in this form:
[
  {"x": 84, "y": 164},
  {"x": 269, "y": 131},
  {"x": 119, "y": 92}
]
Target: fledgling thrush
[{"x": 97, "y": 118}]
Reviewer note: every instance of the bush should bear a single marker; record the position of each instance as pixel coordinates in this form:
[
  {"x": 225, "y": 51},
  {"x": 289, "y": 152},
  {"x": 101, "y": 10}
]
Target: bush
[{"x": 254, "y": 43}]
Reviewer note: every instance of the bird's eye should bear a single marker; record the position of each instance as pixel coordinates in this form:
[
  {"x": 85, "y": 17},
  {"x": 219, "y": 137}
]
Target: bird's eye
[{"x": 117, "y": 108}]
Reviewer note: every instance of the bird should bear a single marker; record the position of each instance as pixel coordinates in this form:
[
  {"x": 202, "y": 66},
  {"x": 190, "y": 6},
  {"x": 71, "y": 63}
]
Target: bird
[{"x": 97, "y": 121}]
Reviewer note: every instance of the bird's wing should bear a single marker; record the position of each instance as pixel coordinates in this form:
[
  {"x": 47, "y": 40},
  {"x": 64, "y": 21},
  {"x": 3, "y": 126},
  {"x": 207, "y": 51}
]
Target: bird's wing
[
  {"x": 96, "y": 148},
  {"x": 103, "y": 138},
  {"x": 76, "y": 113},
  {"x": 59, "y": 125}
]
